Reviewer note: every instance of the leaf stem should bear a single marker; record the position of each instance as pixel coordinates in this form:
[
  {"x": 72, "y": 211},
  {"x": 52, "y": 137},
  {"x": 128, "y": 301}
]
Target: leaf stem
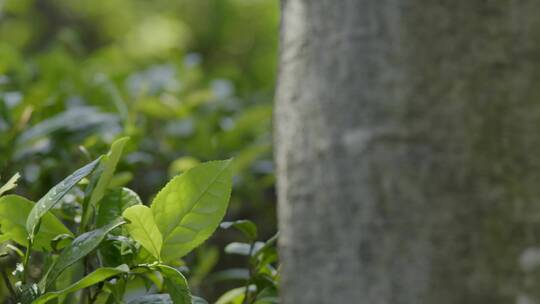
[
  {"x": 250, "y": 269},
  {"x": 27, "y": 259}
]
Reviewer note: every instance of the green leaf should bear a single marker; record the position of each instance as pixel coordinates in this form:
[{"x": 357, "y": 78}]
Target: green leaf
[
  {"x": 11, "y": 183},
  {"x": 240, "y": 274},
  {"x": 95, "y": 277},
  {"x": 189, "y": 208},
  {"x": 176, "y": 284},
  {"x": 233, "y": 296},
  {"x": 79, "y": 248},
  {"x": 267, "y": 245},
  {"x": 4, "y": 238},
  {"x": 243, "y": 248},
  {"x": 114, "y": 203},
  {"x": 14, "y": 211},
  {"x": 54, "y": 195},
  {"x": 143, "y": 228},
  {"x": 247, "y": 227},
  {"x": 110, "y": 161}
]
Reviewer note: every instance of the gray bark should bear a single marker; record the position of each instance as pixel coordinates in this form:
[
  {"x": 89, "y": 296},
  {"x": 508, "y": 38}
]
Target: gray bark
[{"x": 408, "y": 151}]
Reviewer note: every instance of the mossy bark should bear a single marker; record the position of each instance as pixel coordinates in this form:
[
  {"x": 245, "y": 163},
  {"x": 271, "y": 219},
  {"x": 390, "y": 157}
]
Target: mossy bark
[{"x": 408, "y": 151}]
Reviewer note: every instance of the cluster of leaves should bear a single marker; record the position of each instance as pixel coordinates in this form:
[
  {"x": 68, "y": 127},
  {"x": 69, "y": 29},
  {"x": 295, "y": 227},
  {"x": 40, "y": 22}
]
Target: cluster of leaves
[
  {"x": 75, "y": 76},
  {"x": 114, "y": 238},
  {"x": 202, "y": 92}
]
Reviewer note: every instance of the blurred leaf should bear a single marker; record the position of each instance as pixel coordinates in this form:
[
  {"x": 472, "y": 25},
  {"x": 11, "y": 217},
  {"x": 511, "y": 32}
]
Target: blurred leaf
[
  {"x": 10, "y": 184},
  {"x": 233, "y": 296},
  {"x": 13, "y": 213},
  {"x": 143, "y": 229},
  {"x": 243, "y": 248},
  {"x": 152, "y": 299},
  {"x": 74, "y": 119},
  {"x": 163, "y": 299},
  {"x": 231, "y": 274},
  {"x": 207, "y": 258},
  {"x": 268, "y": 244},
  {"x": 247, "y": 227},
  {"x": 182, "y": 164},
  {"x": 91, "y": 279},
  {"x": 189, "y": 208}
]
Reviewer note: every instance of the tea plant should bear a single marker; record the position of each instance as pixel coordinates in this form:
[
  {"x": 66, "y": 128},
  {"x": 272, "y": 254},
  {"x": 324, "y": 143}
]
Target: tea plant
[
  {"x": 260, "y": 275},
  {"x": 106, "y": 237}
]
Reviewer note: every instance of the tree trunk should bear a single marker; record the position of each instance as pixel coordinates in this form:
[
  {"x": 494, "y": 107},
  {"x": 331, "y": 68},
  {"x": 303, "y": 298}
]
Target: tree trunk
[{"x": 408, "y": 151}]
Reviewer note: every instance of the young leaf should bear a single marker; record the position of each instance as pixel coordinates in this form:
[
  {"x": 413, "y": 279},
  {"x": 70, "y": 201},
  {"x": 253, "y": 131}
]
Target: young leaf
[
  {"x": 247, "y": 227},
  {"x": 95, "y": 277},
  {"x": 143, "y": 229},
  {"x": 114, "y": 203},
  {"x": 54, "y": 195},
  {"x": 11, "y": 183},
  {"x": 233, "y": 296},
  {"x": 14, "y": 210},
  {"x": 110, "y": 162},
  {"x": 189, "y": 208},
  {"x": 79, "y": 248},
  {"x": 176, "y": 284}
]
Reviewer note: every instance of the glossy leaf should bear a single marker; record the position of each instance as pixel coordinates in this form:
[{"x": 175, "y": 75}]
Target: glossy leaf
[
  {"x": 114, "y": 202},
  {"x": 10, "y": 184},
  {"x": 143, "y": 229},
  {"x": 247, "y": 227},
  {"x": 189, "y": 208},
  {"x": 54, "y": 195},
  {"x": 79, "y": 248},
  {"x": 95, "y": 277},
  {"x": 176, "y": 284},
  {"x": 14, "y": 211}
]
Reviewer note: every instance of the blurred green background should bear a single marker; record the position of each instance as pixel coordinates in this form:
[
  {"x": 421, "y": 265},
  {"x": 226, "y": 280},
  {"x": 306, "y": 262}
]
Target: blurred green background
[{"x": 188, "y": 80}]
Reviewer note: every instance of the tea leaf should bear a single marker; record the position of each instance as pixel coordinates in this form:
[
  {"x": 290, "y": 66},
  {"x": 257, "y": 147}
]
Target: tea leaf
[
  {"x": 14, "y": 210},
  {"x": 11, "y": 183},
  {"x": 95, "y": 277},
  {"x": 189, "y": 208},
  {"x": 54, "y": 195},
  {"x": 79, "y": 248},
  {"x": 176, "y": 284},
  {"x": 143, "y": 229}
]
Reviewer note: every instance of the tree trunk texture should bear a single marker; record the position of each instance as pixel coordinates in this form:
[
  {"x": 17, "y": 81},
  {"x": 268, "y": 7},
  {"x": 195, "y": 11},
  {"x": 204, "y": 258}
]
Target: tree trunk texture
[{"x": 408, "y": 151}]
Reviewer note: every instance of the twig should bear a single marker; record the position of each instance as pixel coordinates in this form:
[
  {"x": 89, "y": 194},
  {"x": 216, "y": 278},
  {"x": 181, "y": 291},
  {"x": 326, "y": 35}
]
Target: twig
[{"x": 248, "y": 282}]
